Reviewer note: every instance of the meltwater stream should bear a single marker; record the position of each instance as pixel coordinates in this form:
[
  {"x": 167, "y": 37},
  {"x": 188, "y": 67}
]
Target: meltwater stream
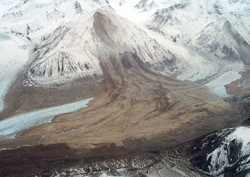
[{"x": 12, "y": 125}]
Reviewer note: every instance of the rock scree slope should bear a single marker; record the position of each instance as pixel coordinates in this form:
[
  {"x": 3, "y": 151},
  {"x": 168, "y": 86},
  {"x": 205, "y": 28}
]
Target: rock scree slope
[{"x": 141, "y": 109}]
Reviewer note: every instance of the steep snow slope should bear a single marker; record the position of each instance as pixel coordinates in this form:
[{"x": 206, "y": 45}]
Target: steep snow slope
[
  {"x": 33, "y": 21},
  {"x": 223, "y": 41},
  {"x": 68, "y": 53},
  {"x": 186, "y": 18},
  {"x": 176, "y": 20},
  {"x": 217, "y": 31},
  {"x": 222, "y": 153},
  {"x": 14, "y": 53},
  {"x": 195, "y": 67},
  {"x": 72, "y": 52},
  {"x": 139, "y": 11},
  {"x": 35, "y": 18},
  {"x": 192, "y": 66},
  {"x": 6, "y": 5},
  {"x": 220, "y": 28},
  {"x": 215, "y": 36},
  {"x": 233, "y": 153}
]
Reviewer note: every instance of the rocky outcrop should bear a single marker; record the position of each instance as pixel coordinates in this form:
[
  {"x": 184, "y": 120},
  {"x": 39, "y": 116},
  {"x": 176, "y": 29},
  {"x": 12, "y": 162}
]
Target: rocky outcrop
[{"x": 78, "y": 7}]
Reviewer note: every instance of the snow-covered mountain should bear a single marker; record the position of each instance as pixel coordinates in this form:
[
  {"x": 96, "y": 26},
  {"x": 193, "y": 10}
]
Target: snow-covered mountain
[
  {"x": 220, "y": 28},
  {"x": 69, "y": 53},
  {"x": 205, "y": 41},
  {"x": 232, "y": 154},
  {"x": 215, "y": 27},
  {"x": 212, "y": 37},
  {"x": 222, "y": 153},
  {"x": 34, "y": 19}
]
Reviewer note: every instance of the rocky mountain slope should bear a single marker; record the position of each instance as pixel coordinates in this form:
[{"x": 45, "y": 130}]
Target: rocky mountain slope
[
  {"x": 131, "y": 86},
  {"x": 202, "y": 27},
  {"x": 55, "y": 61}
]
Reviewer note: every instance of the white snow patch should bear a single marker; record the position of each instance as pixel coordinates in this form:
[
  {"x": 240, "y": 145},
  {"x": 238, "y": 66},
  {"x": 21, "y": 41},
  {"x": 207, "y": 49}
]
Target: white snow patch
[{"x": 4, "y": 149}]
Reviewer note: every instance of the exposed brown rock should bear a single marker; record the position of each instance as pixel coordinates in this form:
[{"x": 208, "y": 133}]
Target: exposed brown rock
[
  {"x": 139, "y": 104},
  {"x": 139, "y": 108},
  {"x": 240, "y": 87}
]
